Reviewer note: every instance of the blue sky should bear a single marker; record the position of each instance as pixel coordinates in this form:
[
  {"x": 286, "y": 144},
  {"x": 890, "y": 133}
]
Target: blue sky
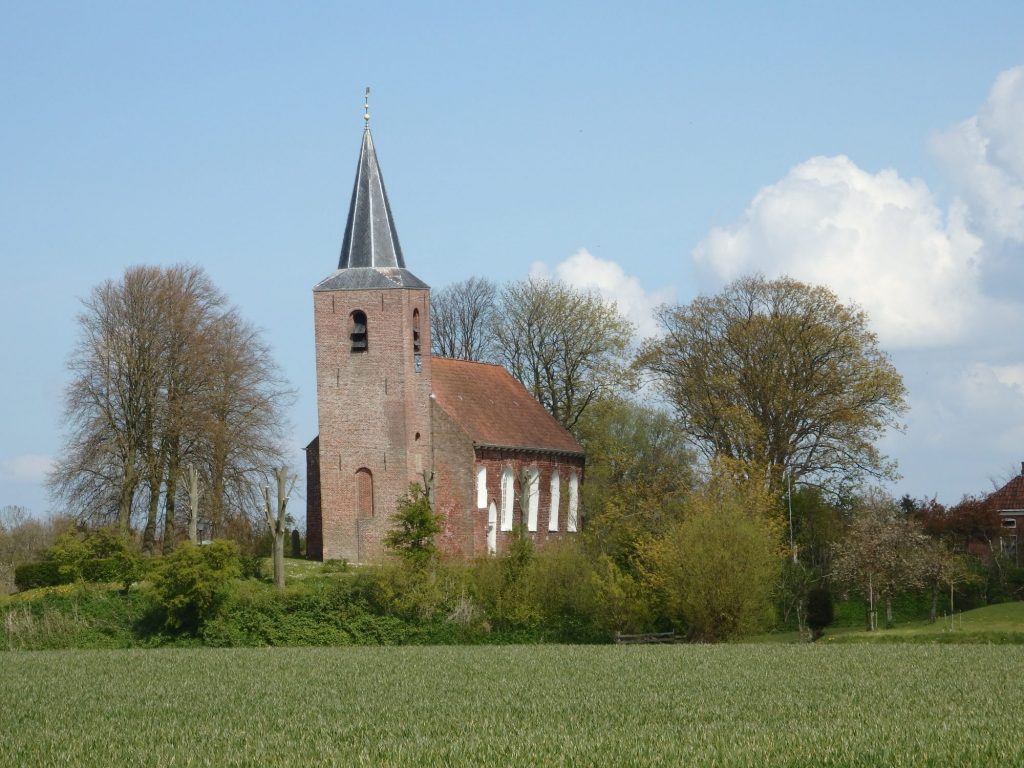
[{"x": 650, "y": 151}]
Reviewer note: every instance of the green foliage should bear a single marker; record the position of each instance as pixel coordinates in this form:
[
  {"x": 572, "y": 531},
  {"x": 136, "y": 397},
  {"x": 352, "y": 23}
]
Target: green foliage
[
  {"x": 189, "y": 583},
  {"x": 102, "y": 555},
  {"x": 819, "y": 610},
  {"x": 42, "y": 573},
  {"x": 728, "y": 706},
  {"x": 335, "y": 566},
  {"x": 716, "y": 570},
  {"x": 416, "y": 525},
  {"x": 639, "y": 471}
]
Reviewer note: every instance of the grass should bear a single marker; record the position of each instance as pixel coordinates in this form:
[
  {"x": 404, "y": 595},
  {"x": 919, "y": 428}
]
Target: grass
[{"x": 735, "y": 705}]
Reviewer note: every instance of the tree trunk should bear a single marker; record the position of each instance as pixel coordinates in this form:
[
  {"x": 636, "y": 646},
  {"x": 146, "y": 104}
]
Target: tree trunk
[
  {"x": 149, "y": 533},
  {"x": 888, "y": 611},
  {"x": 126, "y": 496},
  {"x": 935, "y": 603},
  {"x": 871, "y": 605},
  {"x": 279, "y": 559},
  {"x": 170, "y": 503},
  {"x": 277, "y": 522}
]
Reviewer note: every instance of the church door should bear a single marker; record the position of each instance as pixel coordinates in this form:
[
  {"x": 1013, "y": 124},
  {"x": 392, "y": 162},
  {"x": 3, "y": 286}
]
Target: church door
[{"x": 492, "y": 528}]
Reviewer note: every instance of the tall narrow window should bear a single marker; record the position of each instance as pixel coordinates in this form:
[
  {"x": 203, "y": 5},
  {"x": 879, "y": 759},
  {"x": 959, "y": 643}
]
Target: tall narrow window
[
  {"x": 571, "y": 521},
  {"x": 508, "y": 489},
  {"x": 555, "y": 494},
  {"x": 416, "y": 331},
  {"x": 481, "y": 486},
  {"x": 364, "y": 493},
  {"x": 358, "y": 332},
  {"x": 532, "y": 490}
]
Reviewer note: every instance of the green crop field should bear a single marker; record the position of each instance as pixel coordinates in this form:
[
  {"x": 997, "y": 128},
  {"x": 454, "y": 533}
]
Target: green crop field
[{"x": 728, "y": 705}]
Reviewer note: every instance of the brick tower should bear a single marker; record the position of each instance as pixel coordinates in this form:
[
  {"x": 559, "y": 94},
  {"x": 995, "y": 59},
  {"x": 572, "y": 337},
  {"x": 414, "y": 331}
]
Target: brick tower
[{"x": 372, "y": 321}]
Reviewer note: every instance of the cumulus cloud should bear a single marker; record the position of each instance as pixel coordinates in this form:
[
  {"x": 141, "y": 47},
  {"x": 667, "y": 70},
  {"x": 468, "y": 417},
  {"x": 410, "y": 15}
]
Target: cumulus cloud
[
  {"x": 874, "y": 238},
  {"x": 985, "y": 156},
  {"x": 27, "y": 468},
  {"x": 607, "y": 278}
]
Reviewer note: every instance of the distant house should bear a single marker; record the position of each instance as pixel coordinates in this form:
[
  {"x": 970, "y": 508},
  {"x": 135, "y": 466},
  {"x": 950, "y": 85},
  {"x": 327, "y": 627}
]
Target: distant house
[
  {"x": 391, "y": 414},
  {"x": 1008, "y": 502}
]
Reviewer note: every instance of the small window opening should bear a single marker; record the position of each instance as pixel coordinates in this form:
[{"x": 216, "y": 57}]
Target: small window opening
[
  {"x": 364, "y": 492},
  {"x": 358, "y": 334},
  {"x": 416, "y": 330},
  {"x": 1009, "y": 522}
]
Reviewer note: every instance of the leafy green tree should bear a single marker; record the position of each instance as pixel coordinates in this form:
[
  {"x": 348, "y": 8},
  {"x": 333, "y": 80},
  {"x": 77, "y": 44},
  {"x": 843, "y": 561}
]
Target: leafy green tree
[
  {"x": 189, "y": 583},
  {"x": 779, "y": 373},
  {"x": 639, "y": 472},
  {"x": 819, "y": 610},
  {"x": 716, "y": 570},
  {"x": 415, "y": 526}
]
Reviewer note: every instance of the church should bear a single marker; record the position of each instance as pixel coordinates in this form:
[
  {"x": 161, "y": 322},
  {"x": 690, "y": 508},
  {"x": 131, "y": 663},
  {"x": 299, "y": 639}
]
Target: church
[{"x": 391, "y": 414}]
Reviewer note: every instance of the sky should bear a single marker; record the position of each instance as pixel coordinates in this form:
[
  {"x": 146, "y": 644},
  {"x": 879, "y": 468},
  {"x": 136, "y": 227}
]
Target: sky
[{"x": 649, "y": 151}]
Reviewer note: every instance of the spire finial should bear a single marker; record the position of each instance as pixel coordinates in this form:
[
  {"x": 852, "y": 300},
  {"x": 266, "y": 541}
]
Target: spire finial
[{"x": 366, "y": 107}]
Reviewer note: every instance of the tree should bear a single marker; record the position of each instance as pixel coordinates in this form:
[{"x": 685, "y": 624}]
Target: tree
[
  {"x": 565, "y": 345},
  {"x": 881, "y": 555},
  {"x": 780, "y": 373},
  {"x": 639, "y": 472},
  {"x": 416, "y": 525},
  {"x": 717, "y": 568},
  {"x": 165, "y": 372},
  {"x": 277, "y": 521},
  {"x": 461, "y": 317}
]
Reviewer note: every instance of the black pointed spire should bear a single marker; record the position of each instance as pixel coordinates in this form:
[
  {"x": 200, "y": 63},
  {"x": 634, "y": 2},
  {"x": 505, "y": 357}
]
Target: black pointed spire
[{"x": 370, "y": 236}]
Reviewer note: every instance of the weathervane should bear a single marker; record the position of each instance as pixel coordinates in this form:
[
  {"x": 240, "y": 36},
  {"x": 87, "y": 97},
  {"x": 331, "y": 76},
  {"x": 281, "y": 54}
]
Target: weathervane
[{"x": 366, "y": 107}]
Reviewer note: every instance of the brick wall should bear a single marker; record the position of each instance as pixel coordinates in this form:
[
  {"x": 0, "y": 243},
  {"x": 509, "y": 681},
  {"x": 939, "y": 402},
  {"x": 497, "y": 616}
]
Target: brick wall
[
  {"x": 373, "y": 412},
  {"x": 454, "y": 486},
  {"x": 496, "y": 460}
]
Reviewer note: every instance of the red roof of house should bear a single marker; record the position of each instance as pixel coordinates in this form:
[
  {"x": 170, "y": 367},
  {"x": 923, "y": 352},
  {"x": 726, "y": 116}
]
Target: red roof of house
[
  {"x": 1010, "y": 496},
  {"x": 496, "y": 410}
]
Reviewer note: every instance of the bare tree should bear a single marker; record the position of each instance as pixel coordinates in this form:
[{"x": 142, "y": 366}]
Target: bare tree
[
  {"x": 565, "y": 345},
  {"x": 277, "y": 520},
  {"x": 165, "y": 373},
  {"x": 460, "y": 320}
]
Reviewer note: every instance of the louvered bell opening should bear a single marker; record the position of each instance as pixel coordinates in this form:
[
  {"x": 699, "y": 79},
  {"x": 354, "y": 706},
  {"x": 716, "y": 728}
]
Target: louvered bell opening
[
  {"x": 358, "y": 334},
  {"x": 416, "y": 340}
]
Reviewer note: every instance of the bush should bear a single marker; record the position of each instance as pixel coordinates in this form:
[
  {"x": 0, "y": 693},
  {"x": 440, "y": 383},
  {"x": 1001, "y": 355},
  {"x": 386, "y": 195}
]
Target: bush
[
  {"x": 819, "y": 610},
  {"x": 42, "y": 573},
  {"x": 335, "y": 566},
  {"x": 189, "y": 583},
  {"x": 104, "y": 555},
  {"x": 416, "y": 525}
]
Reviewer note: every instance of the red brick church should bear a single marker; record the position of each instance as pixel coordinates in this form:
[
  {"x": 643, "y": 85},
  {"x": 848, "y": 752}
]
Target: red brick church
[{"x": 391, "y": 414}]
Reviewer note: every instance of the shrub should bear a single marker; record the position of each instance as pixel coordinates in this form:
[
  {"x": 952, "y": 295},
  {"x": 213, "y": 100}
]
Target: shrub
[
  {"x": 42, "y": 573},
  {"x": 188, "y": 584},
  {"x": 819, "y": 610},
  {"x": 416, "y": 525},
  {"x": 103, "y": 555},
  {"x": 335, "y": 566}
]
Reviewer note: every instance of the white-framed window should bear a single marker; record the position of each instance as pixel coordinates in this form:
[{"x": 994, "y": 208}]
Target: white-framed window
[
  {"x": 508, "y": 492},
  {"x": 481, "y": 486},
  {"x": 1009, "y": 522},
  {"x": 532, "y": 490},
  {"x": 571, "y": 519},
  {"x": 555, "y": 494}
]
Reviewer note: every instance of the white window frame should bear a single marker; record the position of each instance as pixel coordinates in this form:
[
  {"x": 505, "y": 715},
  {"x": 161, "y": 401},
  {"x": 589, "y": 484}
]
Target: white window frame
[
  {"x": 481, "y": 486},
  {"x": 533, "y": 498},
  {"x": 572, "y": 518},
  {"x": 556, "y": 492},
  {"x": 508, "y": 489}
]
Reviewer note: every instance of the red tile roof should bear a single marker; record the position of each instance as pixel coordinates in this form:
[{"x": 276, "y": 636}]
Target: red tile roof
[
  {"x": 1010, "y": 496},
  {"x": 496, "y": 410}
]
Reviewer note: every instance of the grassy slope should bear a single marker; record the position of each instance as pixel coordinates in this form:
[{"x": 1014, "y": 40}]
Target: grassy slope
[{"x": 554, "y": 705}]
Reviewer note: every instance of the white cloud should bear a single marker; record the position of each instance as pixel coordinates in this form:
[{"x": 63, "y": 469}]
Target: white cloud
[
  {"x": 985, "y": 156},
  {"x": 876, "y": 239},
  {"x": 584, "y": 270},
  {"x": 27, "y": 468}
]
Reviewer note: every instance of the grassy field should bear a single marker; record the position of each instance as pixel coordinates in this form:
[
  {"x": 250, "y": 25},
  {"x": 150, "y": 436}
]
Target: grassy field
[{"x": 734, "y": 705}]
